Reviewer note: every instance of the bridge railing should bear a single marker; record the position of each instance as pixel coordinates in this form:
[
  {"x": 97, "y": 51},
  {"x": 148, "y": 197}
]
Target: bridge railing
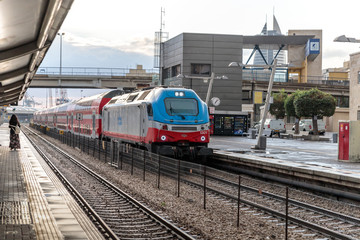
[
  {"x": 282, "y": 76},
  {"x": 93, "y": 71}
]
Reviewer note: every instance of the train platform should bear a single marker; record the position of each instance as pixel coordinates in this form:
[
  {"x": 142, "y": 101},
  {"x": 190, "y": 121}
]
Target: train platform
[
  {"x": 312, "y": 160},
  {"x": 33, "y": 202}
]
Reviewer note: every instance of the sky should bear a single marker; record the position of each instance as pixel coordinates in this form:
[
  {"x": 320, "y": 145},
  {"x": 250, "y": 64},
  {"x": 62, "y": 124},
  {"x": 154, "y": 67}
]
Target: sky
[{"x": 120, "y": 34}]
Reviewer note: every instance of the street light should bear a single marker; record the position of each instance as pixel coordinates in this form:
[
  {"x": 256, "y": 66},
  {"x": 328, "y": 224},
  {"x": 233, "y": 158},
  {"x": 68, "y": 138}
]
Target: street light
[
  {"x": 268, "y": 95},
  {"x": 343, "y": 38},
  {"x": 205, "y": 79},
  {"x": 61, "y": 36}
]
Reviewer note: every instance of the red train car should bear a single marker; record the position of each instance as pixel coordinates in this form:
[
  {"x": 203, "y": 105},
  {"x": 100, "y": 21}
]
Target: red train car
[{"x": 81, "y": 117}]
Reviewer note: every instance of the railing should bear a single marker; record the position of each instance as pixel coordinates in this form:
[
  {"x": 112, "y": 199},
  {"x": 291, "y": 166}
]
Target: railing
[
  {"x": 281, "y": 76},
  {"x": 92, "y": 71}
]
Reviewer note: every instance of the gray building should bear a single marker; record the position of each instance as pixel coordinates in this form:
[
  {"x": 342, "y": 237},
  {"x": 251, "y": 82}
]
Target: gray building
[{"x": 195, "y": 54}]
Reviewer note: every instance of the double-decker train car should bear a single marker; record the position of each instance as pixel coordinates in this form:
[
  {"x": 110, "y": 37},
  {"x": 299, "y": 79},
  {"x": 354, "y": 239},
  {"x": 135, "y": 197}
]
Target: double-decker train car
[
  {"x": 82, "y": 116},
  {"x": 168, "y": 121}
]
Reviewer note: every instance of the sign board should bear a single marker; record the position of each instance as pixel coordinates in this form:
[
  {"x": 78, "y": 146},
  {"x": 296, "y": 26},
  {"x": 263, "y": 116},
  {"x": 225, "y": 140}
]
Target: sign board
[
  {"x": 211, "y": 110},
  {"x": 79, "y": 116},
  {"x": 258, "y": 97},
  {"x": 312, "y": 48}
]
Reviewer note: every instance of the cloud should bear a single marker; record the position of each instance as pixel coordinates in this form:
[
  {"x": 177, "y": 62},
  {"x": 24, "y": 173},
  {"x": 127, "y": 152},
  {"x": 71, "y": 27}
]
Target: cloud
[{"x": 137, "y": 45}]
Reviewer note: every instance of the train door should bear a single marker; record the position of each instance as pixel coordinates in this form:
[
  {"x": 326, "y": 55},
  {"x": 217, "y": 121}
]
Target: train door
[
  {"x": 72, "y": 123},
  {"x": 93, "y": 132},
  {"x": 67, "y": 123},
  {"x": 143, "y": 108},
  {"x": 55, "y": 120}
]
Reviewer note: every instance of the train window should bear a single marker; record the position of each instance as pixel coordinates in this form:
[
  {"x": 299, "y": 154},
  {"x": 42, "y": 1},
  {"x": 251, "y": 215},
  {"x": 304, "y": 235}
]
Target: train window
[
  {"x": 112, "y": 101},
  {"x": 131, "y": 97},
  {"x": 181, "y": 106},
  {"x": 143, "y": 95}
]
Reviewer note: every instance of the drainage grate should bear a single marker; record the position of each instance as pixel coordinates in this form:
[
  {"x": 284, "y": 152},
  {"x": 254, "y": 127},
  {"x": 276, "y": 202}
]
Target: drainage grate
[{"x": 15, "y": 213}]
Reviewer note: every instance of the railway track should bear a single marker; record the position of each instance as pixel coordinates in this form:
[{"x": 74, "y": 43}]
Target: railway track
[
  {"x": 305, "y": 218},
  {"x": 118, "y": 215}
]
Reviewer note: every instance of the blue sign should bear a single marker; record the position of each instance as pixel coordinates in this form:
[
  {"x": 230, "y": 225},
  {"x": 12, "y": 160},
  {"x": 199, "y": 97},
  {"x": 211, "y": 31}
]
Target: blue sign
[
  {"x": 312, "y": 49},
  {"x": 119, "y": 121}
]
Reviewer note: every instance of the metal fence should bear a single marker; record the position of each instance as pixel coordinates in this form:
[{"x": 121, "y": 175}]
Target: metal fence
[{"x": 173, "y": 175}]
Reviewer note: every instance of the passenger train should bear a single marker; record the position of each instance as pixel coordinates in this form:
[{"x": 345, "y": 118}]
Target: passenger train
[{"x": 164, "y": 120}]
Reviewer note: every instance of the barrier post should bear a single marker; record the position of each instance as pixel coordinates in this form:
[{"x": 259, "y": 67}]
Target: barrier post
[
  {"x": 238, "y": 203},
  {"x": 178, "y": 180},
  {"x": 204, "y": 186},
  {"x": 132, "y": 161},
  {"x": 287, "y": 213},
  {"x": 159, "y": 160},
  {"x": 144, "y": 169}
]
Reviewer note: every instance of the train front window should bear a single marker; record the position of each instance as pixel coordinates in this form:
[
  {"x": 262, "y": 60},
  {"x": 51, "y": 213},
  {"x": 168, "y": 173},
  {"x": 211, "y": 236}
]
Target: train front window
[{"x": 181, "y": 106}]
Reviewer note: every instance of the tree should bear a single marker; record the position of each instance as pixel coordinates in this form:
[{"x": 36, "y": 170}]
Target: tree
[
  {"x": 290, "y": 109},
  {"x": 277, "y": 107},
  {"x": 315, "y": 104}
]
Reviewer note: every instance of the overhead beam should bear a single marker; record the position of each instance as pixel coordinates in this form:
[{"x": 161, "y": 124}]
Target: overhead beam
[
  {"x": 16, "y": 73},
  {"x": 17, "y": 84},
  {"x": 17, "y": 52},
  {"x": 9, "y": 101}
]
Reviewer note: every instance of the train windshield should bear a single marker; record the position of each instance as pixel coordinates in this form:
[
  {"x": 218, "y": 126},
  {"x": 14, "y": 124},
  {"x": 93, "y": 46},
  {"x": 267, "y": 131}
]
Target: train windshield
[{"x": 181, "y": 106}]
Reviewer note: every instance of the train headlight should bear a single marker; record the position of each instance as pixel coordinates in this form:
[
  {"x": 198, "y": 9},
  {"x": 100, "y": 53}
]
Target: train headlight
[
  {"x": 179, "y": 94},
  {"x": 203, "y": 138},
  {"x": 163, "y": 138}
]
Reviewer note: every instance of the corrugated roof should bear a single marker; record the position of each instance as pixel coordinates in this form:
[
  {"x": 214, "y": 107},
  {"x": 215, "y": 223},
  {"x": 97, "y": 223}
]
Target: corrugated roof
[{"x": 28, "y": 27}]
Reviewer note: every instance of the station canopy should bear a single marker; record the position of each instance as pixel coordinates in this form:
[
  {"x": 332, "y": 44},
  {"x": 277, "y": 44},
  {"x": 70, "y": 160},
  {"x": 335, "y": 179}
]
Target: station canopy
[{"x": 27, "y": 29}]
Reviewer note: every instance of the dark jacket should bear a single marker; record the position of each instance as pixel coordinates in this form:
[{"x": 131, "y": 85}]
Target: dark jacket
[{"x": 14, "y": 122}]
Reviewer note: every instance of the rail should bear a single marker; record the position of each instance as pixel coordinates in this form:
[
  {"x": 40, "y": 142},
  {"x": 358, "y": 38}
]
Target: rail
[
  {"x": 211, "y": 180},
  {"x": 115, "y": 193}
]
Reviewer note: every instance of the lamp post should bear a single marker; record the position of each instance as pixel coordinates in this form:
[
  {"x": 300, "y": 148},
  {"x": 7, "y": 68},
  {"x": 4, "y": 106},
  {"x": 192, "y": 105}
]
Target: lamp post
[
  {"x": 61, "y": 36},
  {"x": 205, "y": 79},
  {"x": 267, "y": 101}
]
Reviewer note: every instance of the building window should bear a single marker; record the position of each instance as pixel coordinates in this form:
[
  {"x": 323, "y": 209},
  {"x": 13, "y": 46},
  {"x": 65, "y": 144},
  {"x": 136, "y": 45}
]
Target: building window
[
  {"x": 358, "y": 77},
  {"x": 358, "y": 115},
  {"x": 175, "y": 70},
  {"x": 166, "y": 73},
  {"x": 200, "y": 69},
  {"x": 342, "y": 101}
]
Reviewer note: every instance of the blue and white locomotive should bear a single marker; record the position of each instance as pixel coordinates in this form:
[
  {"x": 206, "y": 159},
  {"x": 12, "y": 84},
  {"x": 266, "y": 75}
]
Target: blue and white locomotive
[{"x": 168, "y": 121}]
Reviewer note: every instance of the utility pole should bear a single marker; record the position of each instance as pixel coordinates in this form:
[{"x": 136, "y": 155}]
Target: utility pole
[{"x": 266, "y": 109}]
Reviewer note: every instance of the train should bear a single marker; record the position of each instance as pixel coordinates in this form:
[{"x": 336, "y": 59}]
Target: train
[{"x": 164, "y": 120}]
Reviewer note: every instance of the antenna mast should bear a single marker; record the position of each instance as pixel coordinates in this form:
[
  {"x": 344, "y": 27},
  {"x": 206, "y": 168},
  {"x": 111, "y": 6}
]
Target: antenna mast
[{"x": 159, "y": 38}]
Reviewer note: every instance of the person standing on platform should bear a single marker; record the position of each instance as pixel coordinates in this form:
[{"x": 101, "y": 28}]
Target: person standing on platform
[{"x": 14, "y": 134}]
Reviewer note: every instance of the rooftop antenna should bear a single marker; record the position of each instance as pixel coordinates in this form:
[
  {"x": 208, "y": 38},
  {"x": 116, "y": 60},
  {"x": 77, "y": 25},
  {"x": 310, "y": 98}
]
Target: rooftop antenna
[
  {"x": 162, "y": 24},
  {"x": 160, "y": 36}
]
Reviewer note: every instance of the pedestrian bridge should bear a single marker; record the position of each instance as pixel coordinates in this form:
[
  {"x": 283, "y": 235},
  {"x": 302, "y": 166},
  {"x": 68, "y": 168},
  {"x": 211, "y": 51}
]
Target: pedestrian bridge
[{"x": 76, "y": 77}]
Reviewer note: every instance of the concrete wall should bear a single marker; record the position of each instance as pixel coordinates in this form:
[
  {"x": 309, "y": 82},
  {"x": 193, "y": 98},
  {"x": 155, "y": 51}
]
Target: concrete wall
[
  {"x": 296, "y": 55},
  {"x": 217, "y": 50},
  {"x": 354, "y": 86}
]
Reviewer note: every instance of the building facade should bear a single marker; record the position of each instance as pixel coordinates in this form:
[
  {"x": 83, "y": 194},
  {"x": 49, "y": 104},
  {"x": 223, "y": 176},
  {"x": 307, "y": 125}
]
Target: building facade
[
  {"x": 354, "y": 86},
  {"x": 199, "y": 55}
]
